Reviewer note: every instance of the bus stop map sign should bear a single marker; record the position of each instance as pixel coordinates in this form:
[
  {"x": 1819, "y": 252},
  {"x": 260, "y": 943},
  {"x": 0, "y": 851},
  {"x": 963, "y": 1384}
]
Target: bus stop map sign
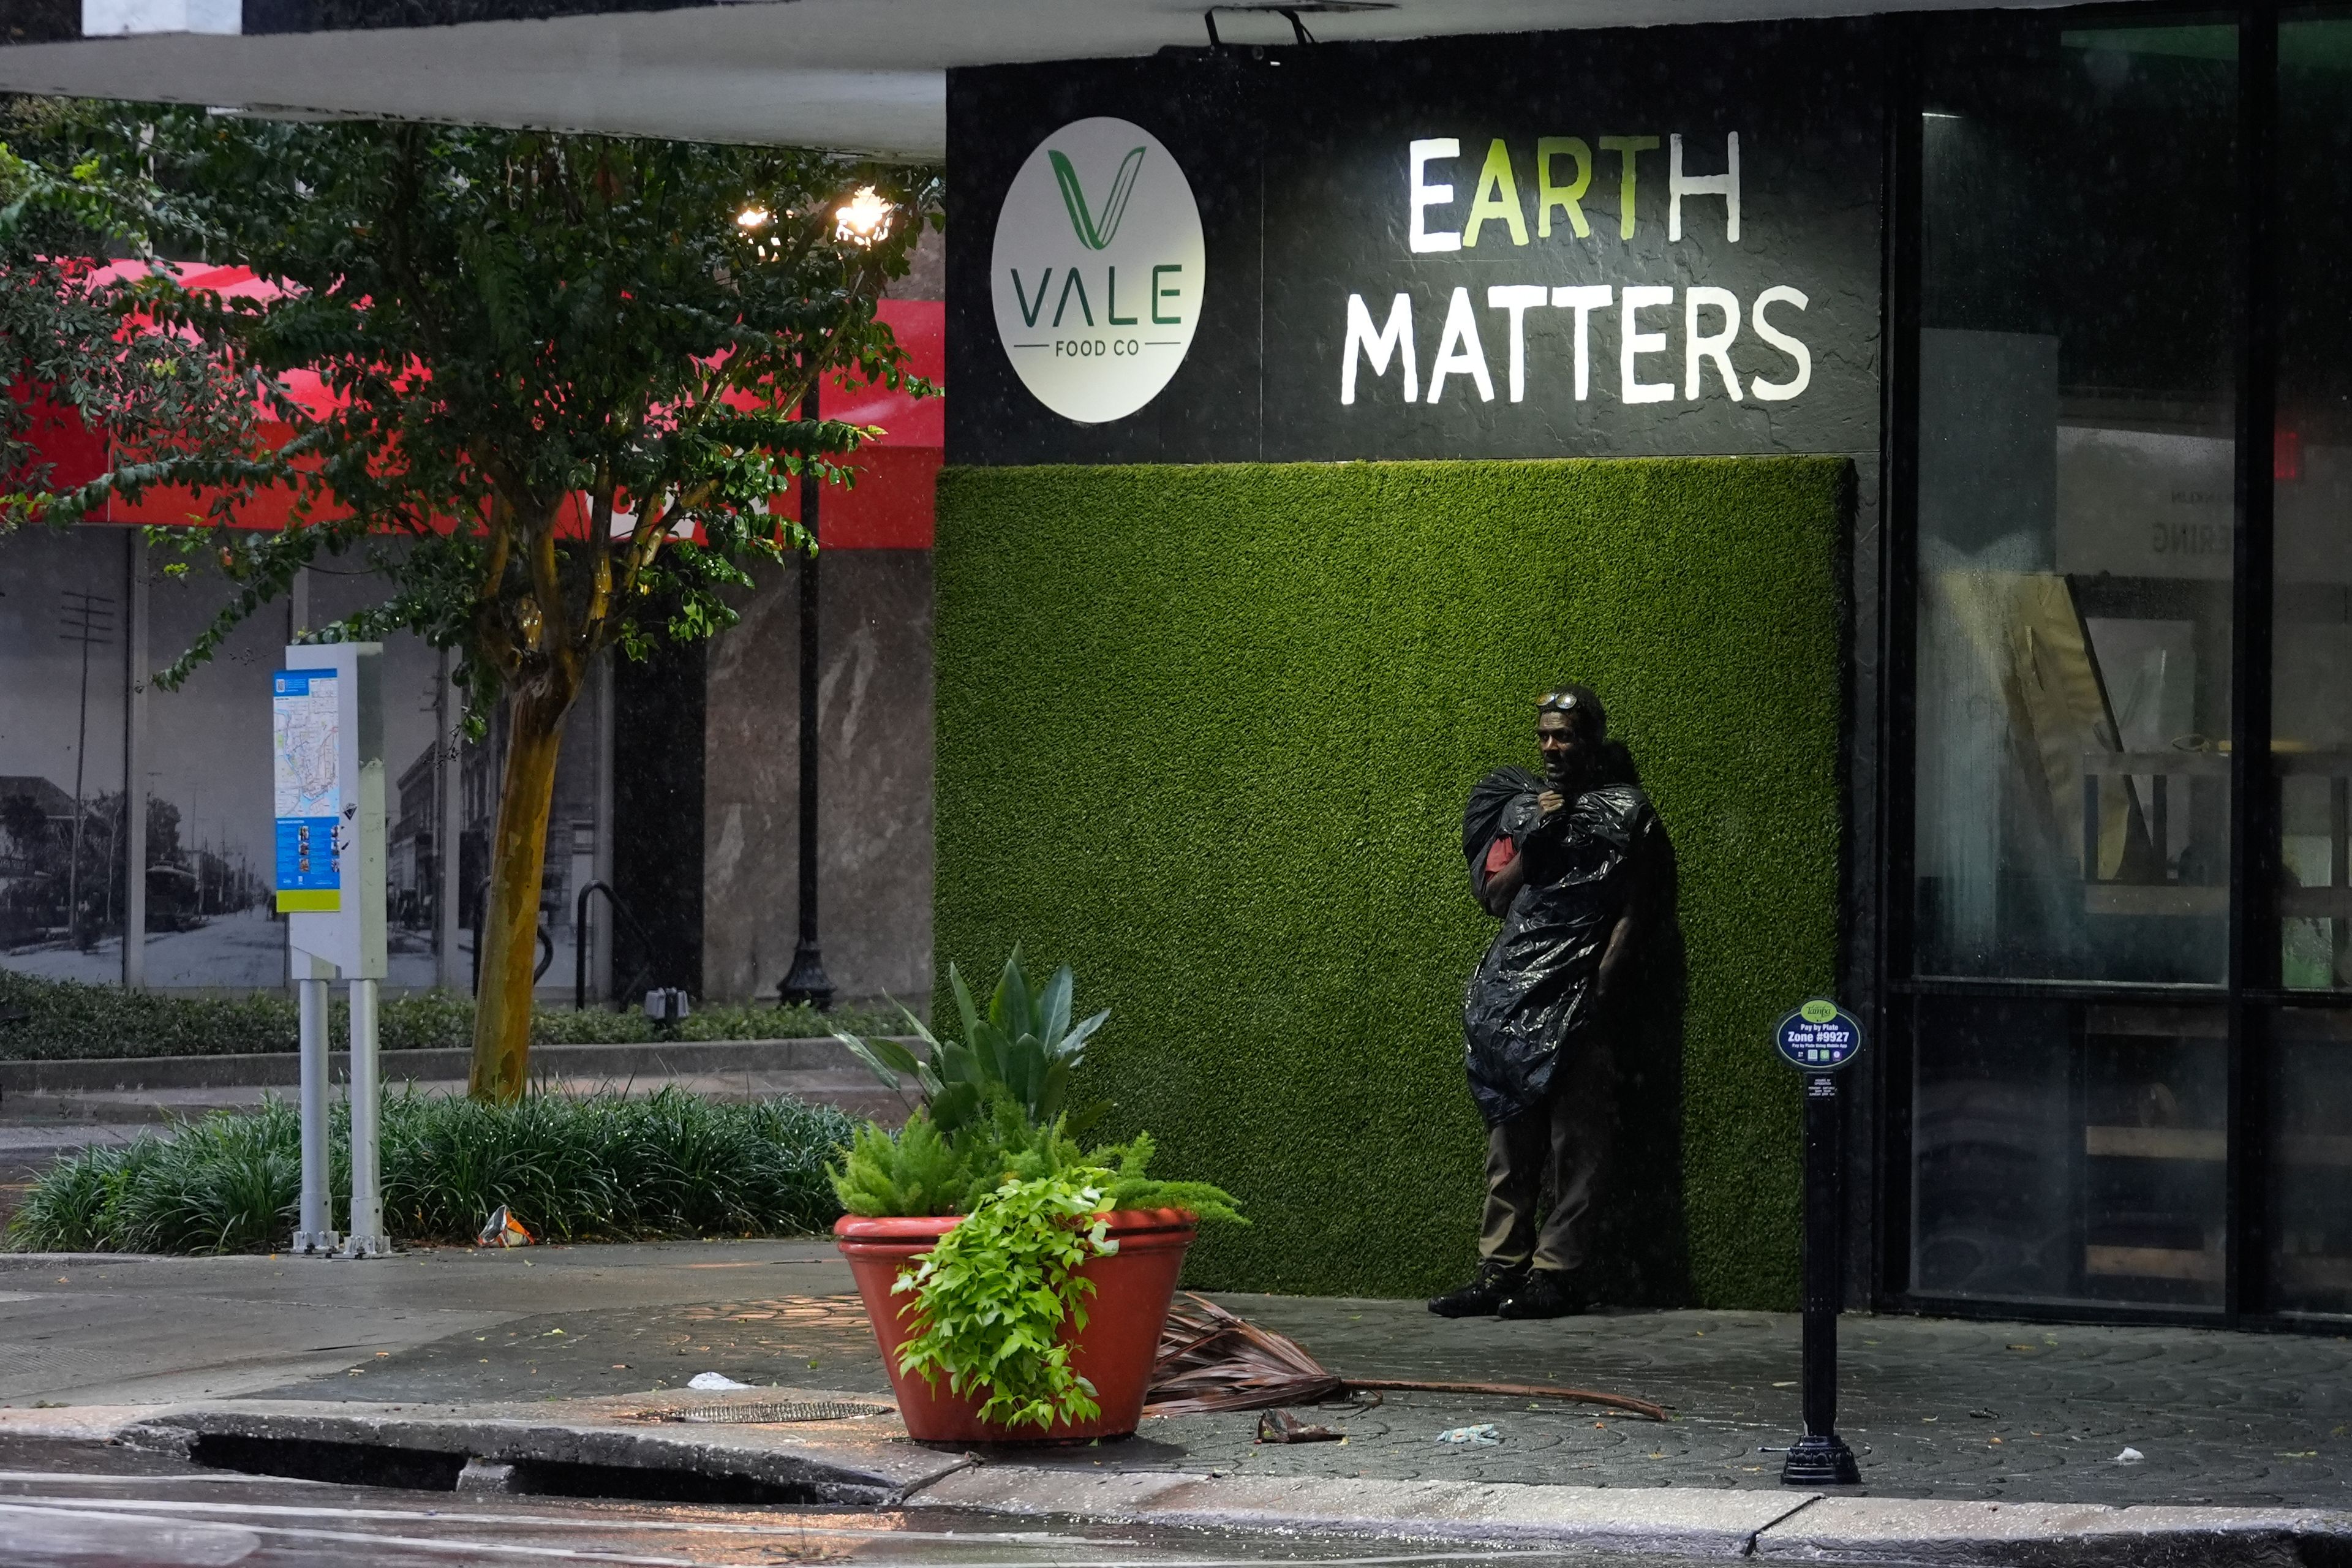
[
  {"x": 306, "y": 746},
  {"x": 1819, "y": 1036}
]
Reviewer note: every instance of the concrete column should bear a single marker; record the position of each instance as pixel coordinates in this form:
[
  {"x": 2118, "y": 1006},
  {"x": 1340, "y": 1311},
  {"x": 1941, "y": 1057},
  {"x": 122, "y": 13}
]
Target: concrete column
[{"x": 134, "y": 761}]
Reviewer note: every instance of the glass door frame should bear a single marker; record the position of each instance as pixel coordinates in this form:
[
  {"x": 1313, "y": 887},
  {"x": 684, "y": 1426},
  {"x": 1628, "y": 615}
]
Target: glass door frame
[{"x": 2252, "y": 988}]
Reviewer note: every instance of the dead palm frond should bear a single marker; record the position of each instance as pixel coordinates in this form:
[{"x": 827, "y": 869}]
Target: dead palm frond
[{"x": 1210, "y": 1360}]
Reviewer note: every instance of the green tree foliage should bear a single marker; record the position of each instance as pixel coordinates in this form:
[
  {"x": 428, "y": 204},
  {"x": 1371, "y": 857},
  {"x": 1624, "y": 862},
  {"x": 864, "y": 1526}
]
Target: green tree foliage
[
  {"x": 63, "y": 353},
  {"x": 512, "y": 330}
]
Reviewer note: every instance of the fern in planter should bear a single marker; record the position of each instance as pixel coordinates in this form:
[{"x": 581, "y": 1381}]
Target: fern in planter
[{"x": 920, "y": 1170}]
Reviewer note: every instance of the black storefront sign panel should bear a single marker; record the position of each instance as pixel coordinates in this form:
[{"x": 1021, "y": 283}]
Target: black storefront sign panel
[
  {"x": 1426, "y": 250},
  {"x": 1204, "y": 117}
]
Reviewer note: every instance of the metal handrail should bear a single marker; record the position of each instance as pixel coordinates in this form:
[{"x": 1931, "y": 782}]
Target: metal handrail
[
  {"x": 546, "y": 942},
  {"x": 580, "y": 941}
]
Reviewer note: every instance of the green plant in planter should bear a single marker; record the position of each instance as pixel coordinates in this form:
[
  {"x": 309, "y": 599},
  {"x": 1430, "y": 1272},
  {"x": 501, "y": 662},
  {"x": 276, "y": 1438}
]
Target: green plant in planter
[
  {"x": 998, "y": 1299},
  {"x": 1023, "y": 1045},
  {"x": 995, "y": 1296},
  {"x": 920, "y": 1170}
]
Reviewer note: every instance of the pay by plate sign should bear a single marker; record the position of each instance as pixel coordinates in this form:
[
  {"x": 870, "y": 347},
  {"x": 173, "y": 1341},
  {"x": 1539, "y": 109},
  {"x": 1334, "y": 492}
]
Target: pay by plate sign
[{"x": 1819, "y": 1036}]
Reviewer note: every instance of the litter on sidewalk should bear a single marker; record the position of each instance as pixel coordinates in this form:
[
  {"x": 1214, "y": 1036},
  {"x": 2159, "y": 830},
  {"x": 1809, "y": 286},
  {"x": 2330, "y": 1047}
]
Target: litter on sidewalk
[
  {"x": 1282, "y": 1426},
  {"x": 1483, "y": 1435},
  {"x": 713, "y": 1382},
  {"x": 502, "y": 1229}
]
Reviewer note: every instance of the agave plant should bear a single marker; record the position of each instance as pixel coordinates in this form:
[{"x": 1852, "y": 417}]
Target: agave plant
[{"x": 1025, "y": 1044}]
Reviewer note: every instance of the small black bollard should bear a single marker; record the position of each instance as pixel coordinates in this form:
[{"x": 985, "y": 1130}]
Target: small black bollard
[{"x": 1818, "y": 1039}]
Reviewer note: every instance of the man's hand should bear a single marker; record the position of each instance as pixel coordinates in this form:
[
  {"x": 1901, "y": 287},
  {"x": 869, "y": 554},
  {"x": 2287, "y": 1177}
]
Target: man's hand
[{"x": 1550, "y": 801}]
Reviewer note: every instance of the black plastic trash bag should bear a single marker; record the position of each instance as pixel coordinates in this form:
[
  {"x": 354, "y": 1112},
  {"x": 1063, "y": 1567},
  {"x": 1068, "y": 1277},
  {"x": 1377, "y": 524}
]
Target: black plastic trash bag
[{"x": 1534, "y": 993}]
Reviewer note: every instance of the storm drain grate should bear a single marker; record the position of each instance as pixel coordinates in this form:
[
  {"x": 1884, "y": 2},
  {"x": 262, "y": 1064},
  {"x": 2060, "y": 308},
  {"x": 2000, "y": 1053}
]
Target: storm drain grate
[{"x": 777, "y": 1412}]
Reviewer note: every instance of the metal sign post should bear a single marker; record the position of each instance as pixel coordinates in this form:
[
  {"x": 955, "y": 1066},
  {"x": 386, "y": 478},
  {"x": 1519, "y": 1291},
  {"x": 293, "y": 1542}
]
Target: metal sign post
[
  {"x": 1818, "y": 1039},
  {"x": 316, "y": 1233},
  {"x": 327, "y": 767}
]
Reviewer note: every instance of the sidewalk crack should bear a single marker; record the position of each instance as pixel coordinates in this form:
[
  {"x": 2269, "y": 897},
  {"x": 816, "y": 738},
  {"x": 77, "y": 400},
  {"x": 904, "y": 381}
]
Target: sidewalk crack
[
  {"x": 898, "y": 1497},
  {"x": 1748, "y": 1549}
]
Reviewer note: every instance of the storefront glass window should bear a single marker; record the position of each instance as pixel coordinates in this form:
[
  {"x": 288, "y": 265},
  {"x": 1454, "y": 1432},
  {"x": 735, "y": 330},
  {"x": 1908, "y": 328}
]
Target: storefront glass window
[
  {"x": 2076, "y": 500},
  {"x": 2070, "y": 1152},
  {"x": 2310, "y": 1106},
  {"x": 2310, "y": 662},
  {"x": 2311, "y": 1155}
]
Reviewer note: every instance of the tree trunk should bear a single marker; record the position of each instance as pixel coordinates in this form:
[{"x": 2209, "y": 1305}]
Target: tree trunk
[{"x": 510, "y": 925}]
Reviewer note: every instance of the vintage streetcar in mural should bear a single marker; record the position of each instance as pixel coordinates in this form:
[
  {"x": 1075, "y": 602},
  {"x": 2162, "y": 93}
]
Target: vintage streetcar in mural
[
  {"x": 210, "y": 811},
  {"x": 62, "y": 911}
]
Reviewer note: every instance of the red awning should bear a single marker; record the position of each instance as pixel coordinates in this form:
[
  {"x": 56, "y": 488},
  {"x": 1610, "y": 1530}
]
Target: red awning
[{"x": 890, "y": 507}]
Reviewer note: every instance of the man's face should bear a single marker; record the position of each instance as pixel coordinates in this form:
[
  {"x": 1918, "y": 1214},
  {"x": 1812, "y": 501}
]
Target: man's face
[{"x": 1566, "y": 745}]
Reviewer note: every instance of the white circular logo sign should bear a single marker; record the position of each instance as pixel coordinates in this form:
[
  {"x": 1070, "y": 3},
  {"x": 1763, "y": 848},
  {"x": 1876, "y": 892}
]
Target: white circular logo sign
[{"x": 1097, "y": 270}]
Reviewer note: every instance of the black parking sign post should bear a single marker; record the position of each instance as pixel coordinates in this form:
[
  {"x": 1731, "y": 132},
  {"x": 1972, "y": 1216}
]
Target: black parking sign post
[{"x": 1818, "y": 1039}]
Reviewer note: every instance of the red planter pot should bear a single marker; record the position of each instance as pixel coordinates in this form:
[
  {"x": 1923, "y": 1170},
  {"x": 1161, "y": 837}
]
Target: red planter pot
[{"x": 1124, "y": 1316}]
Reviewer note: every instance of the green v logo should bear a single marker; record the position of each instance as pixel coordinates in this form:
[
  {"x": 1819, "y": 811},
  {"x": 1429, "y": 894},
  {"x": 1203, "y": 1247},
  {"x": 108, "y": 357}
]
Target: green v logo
[{"x": 1094, "y": 234}]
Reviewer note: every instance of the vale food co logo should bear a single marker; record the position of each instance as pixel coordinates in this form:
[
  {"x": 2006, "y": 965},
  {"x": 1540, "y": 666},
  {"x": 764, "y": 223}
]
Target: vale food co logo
[{"x": 1096, "y": 274}]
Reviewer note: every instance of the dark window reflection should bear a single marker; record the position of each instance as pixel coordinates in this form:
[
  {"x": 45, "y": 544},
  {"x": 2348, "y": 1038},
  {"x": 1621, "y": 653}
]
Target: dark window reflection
[
  {"x": 2075, "y": 502},
  {"x": 2311, "y": 1155},
  {"x": 2070, "y": 1152},
  {"x": 2311, "y": 665}
]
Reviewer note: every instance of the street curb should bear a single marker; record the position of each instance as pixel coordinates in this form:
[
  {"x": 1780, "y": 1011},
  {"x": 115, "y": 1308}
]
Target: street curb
[
  {"x": 1680, "y": 1521},
  {"x": 1684, "y": 1521},
  {"x": 864, "y": 1474},
  {"x": 2056, "y": 1535},
  {"x": 855, "y": 1465}
]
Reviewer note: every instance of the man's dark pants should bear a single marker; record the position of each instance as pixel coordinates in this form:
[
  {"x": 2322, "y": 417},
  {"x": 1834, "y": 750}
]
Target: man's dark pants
[{"x": 1552, "y": 1157}]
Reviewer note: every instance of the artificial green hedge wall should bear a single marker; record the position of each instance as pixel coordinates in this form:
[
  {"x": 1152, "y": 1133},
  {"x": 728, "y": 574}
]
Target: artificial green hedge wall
[{"x": 1206, "y": 734}]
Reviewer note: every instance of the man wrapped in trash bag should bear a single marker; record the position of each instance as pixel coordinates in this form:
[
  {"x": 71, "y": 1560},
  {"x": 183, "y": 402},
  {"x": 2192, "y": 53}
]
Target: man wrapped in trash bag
[{"x": 1568, "y": 861}]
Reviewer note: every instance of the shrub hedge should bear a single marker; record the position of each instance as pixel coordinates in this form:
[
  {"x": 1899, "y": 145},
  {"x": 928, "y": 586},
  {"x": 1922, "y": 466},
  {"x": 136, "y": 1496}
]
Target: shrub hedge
[
  {"x": 1206, "y": 732},
  {"x": 604, "y": 1167},
  {"x": 67, "y": 1018}
]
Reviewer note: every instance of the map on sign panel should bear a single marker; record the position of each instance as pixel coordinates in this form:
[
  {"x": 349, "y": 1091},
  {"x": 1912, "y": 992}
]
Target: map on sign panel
[{"x": 307, "y": 745}]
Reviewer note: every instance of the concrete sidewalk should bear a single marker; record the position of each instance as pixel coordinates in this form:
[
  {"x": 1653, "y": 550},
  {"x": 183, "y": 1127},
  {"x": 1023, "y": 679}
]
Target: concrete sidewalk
[{"x": 1997, "y": 1440}]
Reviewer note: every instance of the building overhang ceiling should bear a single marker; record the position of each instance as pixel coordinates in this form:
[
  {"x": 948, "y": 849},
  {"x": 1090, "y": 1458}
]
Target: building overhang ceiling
[{"x": 862, "y": 75}]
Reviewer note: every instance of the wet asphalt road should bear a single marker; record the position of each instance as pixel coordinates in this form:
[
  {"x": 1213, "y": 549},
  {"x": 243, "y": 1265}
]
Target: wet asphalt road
[{"x": 108, "y": 1507}]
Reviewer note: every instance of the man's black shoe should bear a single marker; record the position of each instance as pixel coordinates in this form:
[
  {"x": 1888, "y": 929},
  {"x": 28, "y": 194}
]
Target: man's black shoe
[
  {"x": 1546, "y": 1294},
  {"x": 1483, "y": 1295}
]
